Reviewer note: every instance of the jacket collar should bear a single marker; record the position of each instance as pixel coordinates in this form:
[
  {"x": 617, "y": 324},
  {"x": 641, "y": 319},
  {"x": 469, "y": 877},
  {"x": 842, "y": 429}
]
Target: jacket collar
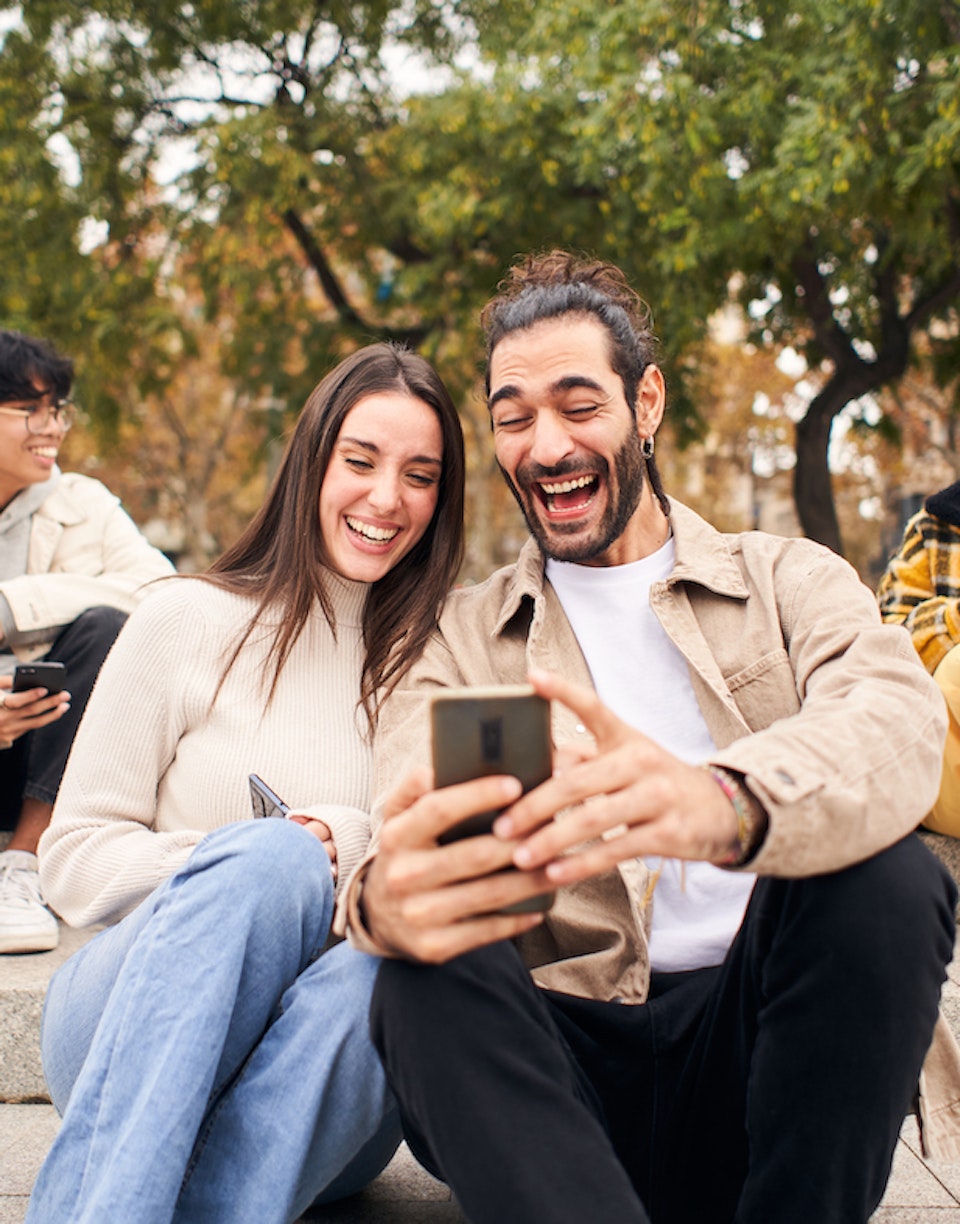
[
  {"x": 704, "y": 557},
  {"x": 62, "y": 507}
]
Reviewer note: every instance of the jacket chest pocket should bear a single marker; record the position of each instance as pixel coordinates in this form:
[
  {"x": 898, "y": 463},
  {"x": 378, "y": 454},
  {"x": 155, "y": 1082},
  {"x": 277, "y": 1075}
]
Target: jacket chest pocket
[{"x": 765, "y": 690}]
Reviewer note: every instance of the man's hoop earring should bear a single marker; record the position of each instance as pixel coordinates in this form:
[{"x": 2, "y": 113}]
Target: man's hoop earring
[{"x": 646, "y": 448}]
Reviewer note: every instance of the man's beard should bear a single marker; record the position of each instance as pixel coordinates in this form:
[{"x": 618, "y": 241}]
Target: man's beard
[{"x": 622, "y": 502}]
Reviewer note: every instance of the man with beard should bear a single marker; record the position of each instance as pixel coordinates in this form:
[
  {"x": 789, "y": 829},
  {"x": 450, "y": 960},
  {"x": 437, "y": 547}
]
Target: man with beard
[{"x": 725, "y": 1014}]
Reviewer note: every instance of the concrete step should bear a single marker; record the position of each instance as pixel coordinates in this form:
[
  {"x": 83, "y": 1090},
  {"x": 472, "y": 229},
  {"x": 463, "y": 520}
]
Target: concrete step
[{"x": 23, "y": 985}]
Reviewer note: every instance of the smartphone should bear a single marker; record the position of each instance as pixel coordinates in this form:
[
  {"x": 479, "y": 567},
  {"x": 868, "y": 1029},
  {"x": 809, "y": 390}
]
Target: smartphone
[
  {"x": 499, "y": 729},
  {"x": 51, "y": 676},
  {"x": 265, "y": 801}
]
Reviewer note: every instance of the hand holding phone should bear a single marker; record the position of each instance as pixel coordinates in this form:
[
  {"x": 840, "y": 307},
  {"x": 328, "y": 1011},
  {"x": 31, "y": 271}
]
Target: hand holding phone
[
  {"x": 267, "y": 803},
  {"x": 500, "y": 729},
  {"x": 26, "y": 711},
  {"x": 46, "y": 674}
]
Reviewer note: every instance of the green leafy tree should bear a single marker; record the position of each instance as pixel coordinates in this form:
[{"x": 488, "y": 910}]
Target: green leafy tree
[
  {"x": 810, "y": 146},
  {"x": 225, "y": 144},
  {"x": 298, "y": 170},
  {"x": 250, "y": 102}
]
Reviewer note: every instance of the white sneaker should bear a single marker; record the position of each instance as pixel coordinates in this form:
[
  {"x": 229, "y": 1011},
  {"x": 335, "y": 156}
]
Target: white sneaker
[{"x": 26, "y": 925}]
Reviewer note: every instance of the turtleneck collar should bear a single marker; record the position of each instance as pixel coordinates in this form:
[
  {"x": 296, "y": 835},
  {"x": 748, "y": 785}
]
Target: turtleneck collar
[{"x": 347, "y": 599}]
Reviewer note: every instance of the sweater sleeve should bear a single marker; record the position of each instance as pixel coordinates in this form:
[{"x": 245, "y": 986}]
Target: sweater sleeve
[
  {"x": 350, "y": 829},
  {"x": 913, "y": 595},
  {"x": 101, "y": 855}
]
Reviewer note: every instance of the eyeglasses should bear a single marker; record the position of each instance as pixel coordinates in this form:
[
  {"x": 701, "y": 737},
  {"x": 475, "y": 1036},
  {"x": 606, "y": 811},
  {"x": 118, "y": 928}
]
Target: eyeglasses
[{"x": 38, "y": 416}]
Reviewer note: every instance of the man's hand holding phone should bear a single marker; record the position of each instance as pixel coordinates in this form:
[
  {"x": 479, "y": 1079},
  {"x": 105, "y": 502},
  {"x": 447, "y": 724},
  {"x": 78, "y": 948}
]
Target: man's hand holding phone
[
  {"x": 431, "y": 902},
  {"x": 442, "y": 884},
  {"x": 627, "y": 798}
]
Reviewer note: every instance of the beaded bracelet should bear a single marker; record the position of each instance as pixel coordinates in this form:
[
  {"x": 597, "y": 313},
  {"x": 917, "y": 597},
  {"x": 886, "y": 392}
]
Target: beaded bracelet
[{"x": 751, "y": 817}]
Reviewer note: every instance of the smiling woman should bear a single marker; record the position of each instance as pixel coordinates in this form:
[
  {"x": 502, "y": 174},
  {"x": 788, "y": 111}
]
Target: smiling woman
[
  {"x": 380, "y": 490},
  {"x": 274, "y": 663}
]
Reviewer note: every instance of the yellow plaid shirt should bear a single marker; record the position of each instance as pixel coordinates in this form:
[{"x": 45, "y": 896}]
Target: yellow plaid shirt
[{"x": 921, "y": 587}]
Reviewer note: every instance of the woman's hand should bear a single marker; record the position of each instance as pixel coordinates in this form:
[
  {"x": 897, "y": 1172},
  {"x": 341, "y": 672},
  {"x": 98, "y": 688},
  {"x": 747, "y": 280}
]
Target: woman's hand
[
  {"x": 322, "y": 831},
  {"x": 22, "y": 712}
]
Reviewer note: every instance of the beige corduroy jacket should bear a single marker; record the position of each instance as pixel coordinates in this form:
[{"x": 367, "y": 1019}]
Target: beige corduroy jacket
[
  {"x": 84, "y": 550},
  {"x": 827, "y": 712}
]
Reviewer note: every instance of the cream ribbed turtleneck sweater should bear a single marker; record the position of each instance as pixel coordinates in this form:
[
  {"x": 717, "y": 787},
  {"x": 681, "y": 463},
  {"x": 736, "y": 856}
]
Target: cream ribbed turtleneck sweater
[{"x": 154, "y": 766}]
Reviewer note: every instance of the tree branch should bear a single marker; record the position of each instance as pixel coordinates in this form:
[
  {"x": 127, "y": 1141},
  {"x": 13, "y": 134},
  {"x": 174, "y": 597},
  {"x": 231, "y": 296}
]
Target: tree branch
[
  {"x": 318, "y": 261},
  {"x": 895, "y": 329},
  {"x": 832, "y": 338},
  {"x": 944, "y": 292},
  {"x": 949, "y": 286},
  {"x": 414, "y": 336}
]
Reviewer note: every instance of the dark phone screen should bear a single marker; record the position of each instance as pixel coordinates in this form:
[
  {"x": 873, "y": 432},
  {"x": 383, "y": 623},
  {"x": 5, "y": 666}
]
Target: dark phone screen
[{"x": 48, "y": 675}]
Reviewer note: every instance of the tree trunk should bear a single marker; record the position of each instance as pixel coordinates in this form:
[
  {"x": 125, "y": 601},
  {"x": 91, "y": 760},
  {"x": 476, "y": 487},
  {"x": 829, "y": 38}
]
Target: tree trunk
[
  {"x": 853, "y": 375},
  {"x": 812, "y": 487}
]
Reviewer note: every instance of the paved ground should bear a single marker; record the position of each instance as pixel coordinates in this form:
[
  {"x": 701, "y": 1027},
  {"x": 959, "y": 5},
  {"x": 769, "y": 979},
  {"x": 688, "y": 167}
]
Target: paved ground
[
  {"x": 918, "y": 1193},
  {"x": 404, "y": 1194}
]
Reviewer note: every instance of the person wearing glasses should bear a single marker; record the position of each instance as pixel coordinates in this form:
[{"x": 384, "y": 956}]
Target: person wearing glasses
[{"x": 72, "y": 565}]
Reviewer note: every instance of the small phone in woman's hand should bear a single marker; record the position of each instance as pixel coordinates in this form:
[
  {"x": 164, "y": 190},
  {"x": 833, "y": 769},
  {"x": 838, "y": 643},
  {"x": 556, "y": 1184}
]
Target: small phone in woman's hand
[{"x": 265, "y": 801}]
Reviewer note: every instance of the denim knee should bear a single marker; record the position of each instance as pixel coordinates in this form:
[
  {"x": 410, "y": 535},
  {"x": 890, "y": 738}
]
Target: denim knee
[{"x": 267, "y": 868}]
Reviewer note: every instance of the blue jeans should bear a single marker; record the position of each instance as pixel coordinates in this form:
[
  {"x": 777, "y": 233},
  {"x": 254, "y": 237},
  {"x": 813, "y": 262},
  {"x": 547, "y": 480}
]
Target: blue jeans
[{"x": 211, "y": 1063}]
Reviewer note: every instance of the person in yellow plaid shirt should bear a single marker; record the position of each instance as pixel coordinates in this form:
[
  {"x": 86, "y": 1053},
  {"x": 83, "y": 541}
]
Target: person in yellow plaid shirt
[{"x": 920, "y": 589}]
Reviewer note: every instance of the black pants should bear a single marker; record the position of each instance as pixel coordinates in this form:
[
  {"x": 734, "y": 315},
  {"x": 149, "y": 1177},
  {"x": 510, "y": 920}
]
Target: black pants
[
  {"x": 33, "y": 767},
  {"x": 768, "y": 1090}
]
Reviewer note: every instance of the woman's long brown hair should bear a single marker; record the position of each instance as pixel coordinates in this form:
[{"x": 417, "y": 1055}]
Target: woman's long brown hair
[{"x": 281, "y": 560}]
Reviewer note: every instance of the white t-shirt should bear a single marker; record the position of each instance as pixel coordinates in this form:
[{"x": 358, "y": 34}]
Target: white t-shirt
[{"x": 641, "y": 675}]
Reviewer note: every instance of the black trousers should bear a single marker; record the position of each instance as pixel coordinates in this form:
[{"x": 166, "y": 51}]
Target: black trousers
[
  {"x": 768, "y": 1090},
  {"x": 33, "y": 767}
]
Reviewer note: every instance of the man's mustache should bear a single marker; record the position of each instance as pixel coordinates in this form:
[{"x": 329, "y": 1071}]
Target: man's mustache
[{"x": 536, "y": 473}]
